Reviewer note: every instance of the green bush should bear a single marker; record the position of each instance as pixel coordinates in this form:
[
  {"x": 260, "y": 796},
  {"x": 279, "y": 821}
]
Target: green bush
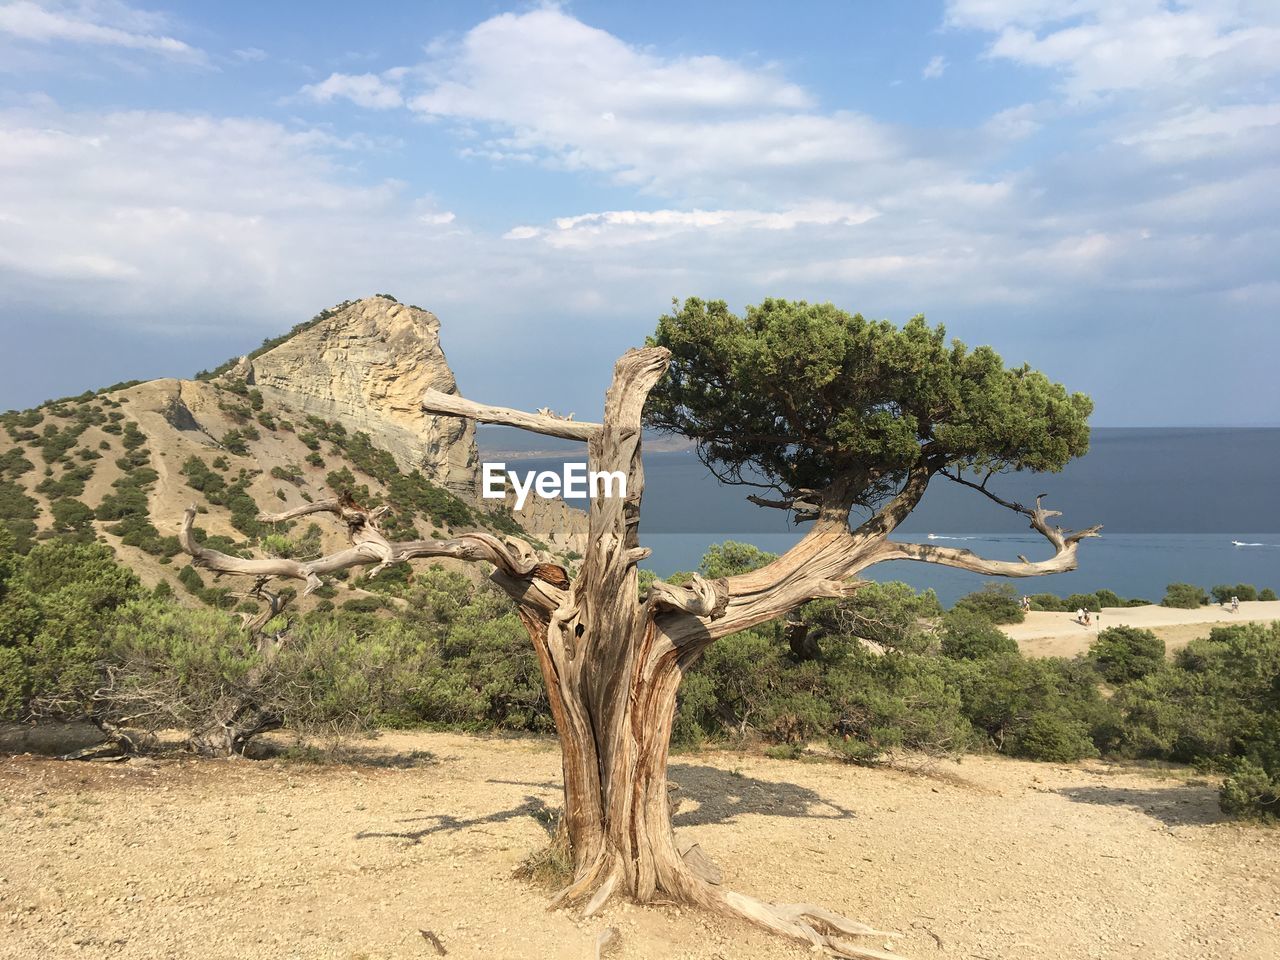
[
  {"x": 890, "y": 615},
  {"x": 1123, "y": 654},
  {"x": 18, "y": 513},
  {"x": 1250, "y": 791},
  {"x": 1048, "y": 602},
  {"x": 1184, "y": 596},
  {"x": 57, "y": 603},
  {"x": 1241, "y": 591},
  {"x": 233, "y": 441},
  {"x": 997, "y": 602},
  {"x": 731, "y": 558},
  {"x": 1266, "y": 594},
  {"x": 970, "y": 636},
  {"x": 1109, "y": 598},
  {"x": 72, "y": 517},
  {"x": 1084, "y": 601},
  {"x": 1217, "y": 706}
]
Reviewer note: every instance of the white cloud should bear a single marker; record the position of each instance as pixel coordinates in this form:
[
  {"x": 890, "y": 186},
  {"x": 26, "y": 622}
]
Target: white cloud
[
  {"x": 522, "y": 233},
  {"x": 935, "y": 68},
  {"x": 1103, "y": 46},
  {"x": 95, "y": 23},
  {"x": 249, "y": 55},
  {"x": 624, "y": 227},
  {"x": 1014, "y": 123},
  {"x": 365, "y": 90},
  {"x": 157, "y": 216},
  {"x": 545, "y": 87},
  {"x": 1205, "y": 131}
]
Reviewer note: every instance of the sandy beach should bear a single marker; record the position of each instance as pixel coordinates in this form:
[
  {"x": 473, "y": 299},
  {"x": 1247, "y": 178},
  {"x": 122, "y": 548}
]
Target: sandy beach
[{"x": 1059, "y": 635}]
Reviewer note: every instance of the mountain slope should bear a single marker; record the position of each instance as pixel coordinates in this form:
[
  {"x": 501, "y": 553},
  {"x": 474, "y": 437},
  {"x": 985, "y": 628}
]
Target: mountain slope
[{"x": 327, "y": 410}]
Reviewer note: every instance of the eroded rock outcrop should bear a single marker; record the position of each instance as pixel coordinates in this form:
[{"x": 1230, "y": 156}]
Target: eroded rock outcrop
[{"x": 367, "y": 365}]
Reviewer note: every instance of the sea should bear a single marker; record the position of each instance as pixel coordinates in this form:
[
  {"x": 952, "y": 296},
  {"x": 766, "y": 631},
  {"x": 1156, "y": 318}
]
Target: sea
[{"x": 1193, "y": 505}]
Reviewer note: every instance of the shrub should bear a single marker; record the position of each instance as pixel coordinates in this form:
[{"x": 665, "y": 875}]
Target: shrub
[
  {"x": 1048, "y": 602},
  {"x": 1250, "y": 791},
  {"x": 200, "y": 477},
  {"x": 57, "y": 603},
  {"x": 1184, "y": 596},
  {"x": 998, "y": 602},
  {"x": 234, "y": 442},
  {"x": 970, "y": 636},
  {"x": 1084, "y": 601},
  {"x": 72, "y": 516},
  {"x": 731, "y": 558},
  {"x": 1266, "y": 594},
  {"x": 1123, "y": 654},
  {"x": 17, "y": 514},
  {"x": 1216, "y": 706},
  {"x": 890, "y": 615},
  {"x": 133, "y": 437},
  {"x": 13, "y": 464},
  {"x": 1042, "y": 709},
  {"x": 1242, "y": 591}
]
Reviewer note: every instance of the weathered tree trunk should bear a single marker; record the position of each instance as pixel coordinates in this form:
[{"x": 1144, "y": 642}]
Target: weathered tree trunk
[
  {"x": 612, "y": 671},
  {"x": 613, "y": 661},
  {"x": 234, "y": 723}
]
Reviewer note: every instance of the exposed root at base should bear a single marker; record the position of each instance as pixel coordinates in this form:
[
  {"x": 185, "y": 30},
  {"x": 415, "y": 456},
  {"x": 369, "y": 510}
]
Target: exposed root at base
[{"x": 804, "y": 921}]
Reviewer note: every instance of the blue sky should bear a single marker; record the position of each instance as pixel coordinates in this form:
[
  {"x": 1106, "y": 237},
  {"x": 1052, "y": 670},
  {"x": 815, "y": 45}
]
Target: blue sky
[{"x": 1088, "y": 185}]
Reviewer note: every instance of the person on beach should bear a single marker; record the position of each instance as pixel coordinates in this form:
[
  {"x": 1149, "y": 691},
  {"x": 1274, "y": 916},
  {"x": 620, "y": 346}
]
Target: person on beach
[
  {"x": 1080, "y": 615},
  {"x": 1235, "y": 604}
]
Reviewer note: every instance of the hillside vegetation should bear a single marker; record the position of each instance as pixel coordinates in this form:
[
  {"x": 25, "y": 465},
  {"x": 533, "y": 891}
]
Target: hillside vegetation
[{"x": 101, "y": 617}]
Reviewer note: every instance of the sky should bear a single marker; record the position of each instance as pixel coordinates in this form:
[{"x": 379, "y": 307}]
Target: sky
[{"x": 1089, "y": 186}]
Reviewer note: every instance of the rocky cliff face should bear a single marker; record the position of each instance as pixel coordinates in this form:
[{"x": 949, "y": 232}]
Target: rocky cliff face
[{"x": 367, "y": 366}]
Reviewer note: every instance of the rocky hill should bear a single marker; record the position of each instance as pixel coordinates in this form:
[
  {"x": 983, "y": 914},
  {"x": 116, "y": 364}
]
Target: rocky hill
[{"x": 330, "y": 408}]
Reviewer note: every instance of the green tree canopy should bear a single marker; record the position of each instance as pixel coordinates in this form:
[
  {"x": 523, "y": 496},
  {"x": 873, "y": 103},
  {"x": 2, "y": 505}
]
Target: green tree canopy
[{"x": 796, "y": 395}]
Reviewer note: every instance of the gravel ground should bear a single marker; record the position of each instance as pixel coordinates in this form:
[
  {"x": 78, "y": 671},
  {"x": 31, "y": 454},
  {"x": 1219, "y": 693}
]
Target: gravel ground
[{"x": 989, "y": 858}]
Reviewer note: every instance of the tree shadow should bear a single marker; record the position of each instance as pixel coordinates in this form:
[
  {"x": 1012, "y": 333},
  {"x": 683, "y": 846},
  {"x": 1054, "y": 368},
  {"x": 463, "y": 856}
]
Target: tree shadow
[
  {"x": 538, "y": 784},
  {"x": 723, "y": 796},
  {"x": 1176, "y": 806},
  {"x": 435, "y": 823}
]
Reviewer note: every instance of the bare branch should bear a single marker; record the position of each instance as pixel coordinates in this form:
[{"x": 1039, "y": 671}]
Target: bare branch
[
  {"x": 802, "y": 502},
  {"x": 345, "y": 509},
  {"x": 451, "y": 405},
  {"x": 1064, "y": 545},
  {"x": 514, "y": 561}
]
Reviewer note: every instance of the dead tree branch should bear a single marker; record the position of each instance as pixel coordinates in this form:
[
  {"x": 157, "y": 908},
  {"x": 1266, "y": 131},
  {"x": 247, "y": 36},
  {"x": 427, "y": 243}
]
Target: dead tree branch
[{"x": 452, "y": 405}]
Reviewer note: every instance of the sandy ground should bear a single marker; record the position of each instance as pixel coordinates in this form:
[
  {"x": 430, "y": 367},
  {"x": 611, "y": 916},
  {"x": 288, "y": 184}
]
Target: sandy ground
[
  {"x": 1058, "y": 634},
  {"x": 270, "y": 859}
]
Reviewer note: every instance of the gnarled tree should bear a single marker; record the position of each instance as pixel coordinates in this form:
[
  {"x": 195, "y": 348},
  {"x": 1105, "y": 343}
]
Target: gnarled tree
[{"x": 843, "y": 422}]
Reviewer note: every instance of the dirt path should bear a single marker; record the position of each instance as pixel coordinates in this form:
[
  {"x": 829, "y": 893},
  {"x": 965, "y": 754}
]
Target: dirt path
[
  {"x": 1046, "y": 634},
  {"x": 237, "y": 859}
]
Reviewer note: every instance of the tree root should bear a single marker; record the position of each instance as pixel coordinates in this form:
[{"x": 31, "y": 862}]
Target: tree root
[{"x": 804, "y": 921}]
